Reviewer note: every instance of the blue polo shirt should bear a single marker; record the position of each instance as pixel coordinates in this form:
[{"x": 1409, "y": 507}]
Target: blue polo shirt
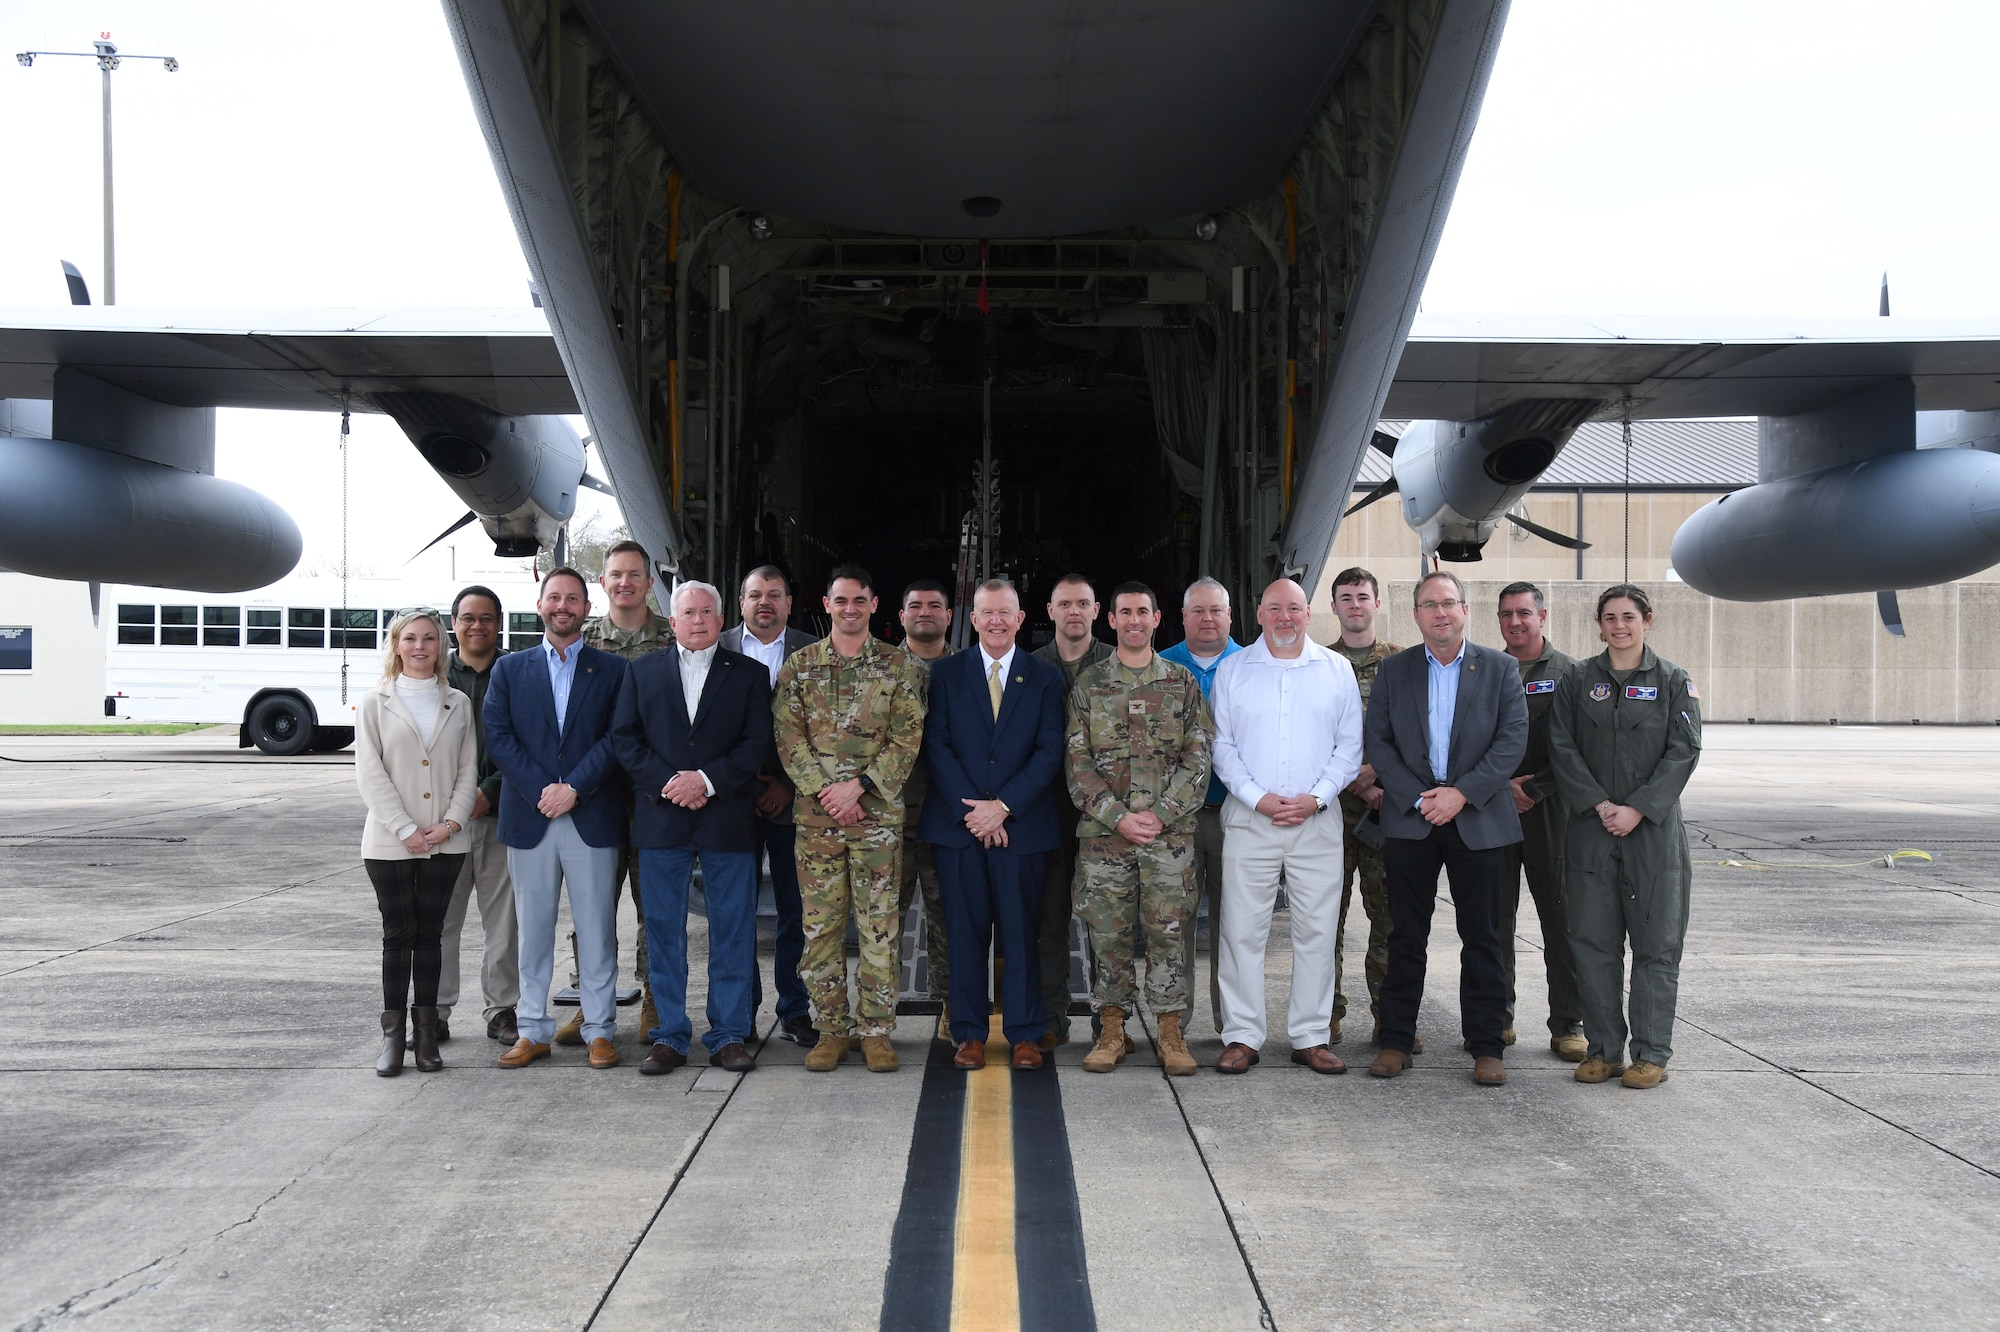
[{"x": 1205, "y": 677}]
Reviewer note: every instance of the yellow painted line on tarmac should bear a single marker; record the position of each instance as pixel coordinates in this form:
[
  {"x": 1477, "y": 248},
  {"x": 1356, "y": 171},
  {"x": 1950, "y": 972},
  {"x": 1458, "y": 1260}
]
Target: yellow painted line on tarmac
[{"x": 985, "y": 1289}]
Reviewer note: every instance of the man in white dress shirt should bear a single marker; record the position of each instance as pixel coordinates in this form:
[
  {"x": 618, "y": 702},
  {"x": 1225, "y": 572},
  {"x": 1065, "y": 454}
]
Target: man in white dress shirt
[{"x": 1287, "y": 741}]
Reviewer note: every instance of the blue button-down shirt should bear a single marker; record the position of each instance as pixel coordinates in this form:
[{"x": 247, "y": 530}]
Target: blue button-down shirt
[
  {"x": 1444, "y": 704},
  {"x": 562, "y": 674},
  {"x": 1205, "y": 677}
]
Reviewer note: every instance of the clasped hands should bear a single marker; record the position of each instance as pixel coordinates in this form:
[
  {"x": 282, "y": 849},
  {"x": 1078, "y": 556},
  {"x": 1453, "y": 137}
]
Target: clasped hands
[
  {"x": 1287, "y": 811},
  {"x": 686, "y": 789},
  {"x": 1618, "y": 820},
  {"x": 1440, "y": 805},
  {"x": 1141, "y": 827},
  {"x": 424, "y": 840},
  {"x": 984, "y": 820},
  {"x": 558, "y": 799},
  {"x": 842, "y": 801},
  {"x": 1366, "y": 787}
]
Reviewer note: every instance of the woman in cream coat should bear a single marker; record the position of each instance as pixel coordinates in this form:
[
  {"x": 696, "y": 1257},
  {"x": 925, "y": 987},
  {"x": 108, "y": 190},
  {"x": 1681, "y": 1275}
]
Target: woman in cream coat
[{"x": 416, "y": 757}]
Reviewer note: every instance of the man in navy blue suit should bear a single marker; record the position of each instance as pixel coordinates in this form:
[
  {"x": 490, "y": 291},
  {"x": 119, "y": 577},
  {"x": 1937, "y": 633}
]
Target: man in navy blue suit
[
  {"x": 993, "y": 742},
  {"x": 562, "y": 813},
  {"x": 693, "y": 726}
]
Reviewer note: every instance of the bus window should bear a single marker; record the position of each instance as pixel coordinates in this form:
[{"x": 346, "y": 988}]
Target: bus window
[
  {"x": 523, "y": 630},
  {"x": 307, "y": 628},
  {"x": 353, "y": 629},
  {"x": 221, "y": 626},
  {"x": 177, "y": 625},
  {"x": 263, "y": 631},
  {"x": 135, "y": 625}
]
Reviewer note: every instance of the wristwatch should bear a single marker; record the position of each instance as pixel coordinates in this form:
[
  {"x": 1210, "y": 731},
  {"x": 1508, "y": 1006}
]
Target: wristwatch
[
  {"x": 867, "y": 783},
  {"x": 1321, "y": 802}
]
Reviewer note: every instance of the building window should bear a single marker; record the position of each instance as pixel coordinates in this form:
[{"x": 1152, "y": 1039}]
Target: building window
[
  {"x": 135, "y": 626},
  {"x": 263, "y": 630},
  {"x": 177, "y": 626},
  {"x": 353, "y": 629},
  {"x": 523, "y": 630},
  {"x": 221, "y": 626},
  {"x": 307, "y": 628},
  {"x": 17, "y": 647}
]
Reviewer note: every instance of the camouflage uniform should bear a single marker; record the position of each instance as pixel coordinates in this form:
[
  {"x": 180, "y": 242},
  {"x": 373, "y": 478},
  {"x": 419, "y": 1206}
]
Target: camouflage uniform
[
  {"x": 838, "y": 718},
  {"x": 1362, "y": 860},
  {"x": 1138, "y": 740},
  {"x": 920, "y": 866},
  {"x": 1059, "y": 887}
]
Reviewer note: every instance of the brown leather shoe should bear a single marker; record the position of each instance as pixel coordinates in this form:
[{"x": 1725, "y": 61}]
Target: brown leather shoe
[
  {"x": 603, "y": 1054},
  {"x": 1319, "y": 1059},
  {"x": 1026, "y": 1055},
  {"x": 662, "y": 1058},
  {"x": 971, "y": 1055},
  {"x": 1052, "y": 1039},
  {"x": 1389, "y": 1064},
  {"x": 1488, "y": 1071},
  {"x": 733, "y": 1058},
  {"x": 1237, "y": 1058},
  {"x": 524, "y": 1053}
]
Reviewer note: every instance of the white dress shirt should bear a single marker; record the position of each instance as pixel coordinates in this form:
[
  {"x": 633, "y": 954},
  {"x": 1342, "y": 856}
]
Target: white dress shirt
[
  {"x": 694, "y": 678},
  {"x": 1289, "y": 726},
  {"x": 772, "y": 654}
]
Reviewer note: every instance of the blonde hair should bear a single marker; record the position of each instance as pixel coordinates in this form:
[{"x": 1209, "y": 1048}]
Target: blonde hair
[{"x": 392, "y": 664}]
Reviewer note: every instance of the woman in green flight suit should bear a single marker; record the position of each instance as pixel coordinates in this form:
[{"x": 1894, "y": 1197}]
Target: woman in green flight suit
[{"x": 1624, "y": 736}]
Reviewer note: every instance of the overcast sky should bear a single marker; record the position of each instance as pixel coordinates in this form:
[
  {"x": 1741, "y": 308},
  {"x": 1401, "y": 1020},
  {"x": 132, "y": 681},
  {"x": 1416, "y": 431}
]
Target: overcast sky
[{"x": 1687, "y": 158}]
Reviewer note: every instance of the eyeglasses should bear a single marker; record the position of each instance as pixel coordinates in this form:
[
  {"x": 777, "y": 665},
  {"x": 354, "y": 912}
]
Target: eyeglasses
[
  {"x": 478, "y": 619},
  {"x": 1429, "y": 607},
  {"x": 431, "y": 611}
]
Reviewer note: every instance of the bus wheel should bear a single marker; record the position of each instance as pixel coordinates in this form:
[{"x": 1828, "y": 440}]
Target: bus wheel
[
  {"x": 282, "y": 726},
  {"x": 331, "y": 739}
]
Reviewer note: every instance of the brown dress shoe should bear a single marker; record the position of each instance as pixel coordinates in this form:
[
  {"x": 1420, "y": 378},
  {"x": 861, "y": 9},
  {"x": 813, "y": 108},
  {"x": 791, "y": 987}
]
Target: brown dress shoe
[
  {"x": 1319, "y": 1059},
  {"x": 733, "y": 1058},
  {"x": 1237, "y": 1058},
  {"x": 524, "y": 1053},
  {"x": 571, "y": 1031},
  {"x": 1389, "y": 1064},
  {"x": 1051, "y": 1039},
  {"x": 662, "y": 1058},
  {"x": 1488, "y": 1071},
  {"x": 1026, "y": 1055},
  {"x": 603, "y": 1054},
  {"x": 971, "y": 1055}
]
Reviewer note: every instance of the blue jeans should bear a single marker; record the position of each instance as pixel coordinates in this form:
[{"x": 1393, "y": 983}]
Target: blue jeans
[
  {"x": 780, "y": 840},
  {"x": 729, "y": 879}
]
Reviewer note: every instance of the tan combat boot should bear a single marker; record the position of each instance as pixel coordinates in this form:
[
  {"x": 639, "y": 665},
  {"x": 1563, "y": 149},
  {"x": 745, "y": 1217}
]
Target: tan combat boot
[
  {"x": 1570, "y": 1045},
  {"x": 571, "y": 1032},
  {"x": 1644, "y": 1074},
  {"x": 826, "y": 1056},
  {"x": 1598, "y": 1070},
  {"x": 881, "y": 1055},
  {"x": 1174, "y": 1056},
  {"x": 1109, "y": 1052}
]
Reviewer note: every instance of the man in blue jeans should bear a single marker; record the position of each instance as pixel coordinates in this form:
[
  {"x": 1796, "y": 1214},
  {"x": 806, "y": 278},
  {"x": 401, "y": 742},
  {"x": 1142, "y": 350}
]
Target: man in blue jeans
[{"x": 692, "y": 727}]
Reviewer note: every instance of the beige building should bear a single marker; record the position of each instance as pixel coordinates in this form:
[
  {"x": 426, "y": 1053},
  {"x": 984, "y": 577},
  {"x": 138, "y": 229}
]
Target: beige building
[
  {"x": 1816, "y": 659},
  {"x": 53, "y": 674}
]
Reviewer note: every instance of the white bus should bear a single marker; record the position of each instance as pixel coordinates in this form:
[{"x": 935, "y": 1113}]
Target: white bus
[{"x": 286, "y": 664}]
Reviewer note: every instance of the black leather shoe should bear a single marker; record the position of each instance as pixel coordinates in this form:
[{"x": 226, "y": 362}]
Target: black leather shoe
[
  {"x": 800, "y": 1031},
  {"x": 389, "y": 1063},
  {"x": 662, "y": 1058},
  {"x": 501, "y": 1027},
  {"x": 733, "y": 1058},
  {"x": 423, "y": 1039},
  {"x": 443, "y": 1029}
]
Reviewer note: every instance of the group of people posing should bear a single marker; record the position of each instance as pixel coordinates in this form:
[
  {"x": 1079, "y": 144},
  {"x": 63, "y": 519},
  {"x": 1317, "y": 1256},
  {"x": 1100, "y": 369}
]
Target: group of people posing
[{"x": 1013, "y": 790}]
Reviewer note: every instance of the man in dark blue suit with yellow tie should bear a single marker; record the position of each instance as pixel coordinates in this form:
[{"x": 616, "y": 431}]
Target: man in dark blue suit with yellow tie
[{"x": 993, "y": 742}]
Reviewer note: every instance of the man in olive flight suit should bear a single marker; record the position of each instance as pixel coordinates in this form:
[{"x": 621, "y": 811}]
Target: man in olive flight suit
[{"x": 1357, "y": 601}]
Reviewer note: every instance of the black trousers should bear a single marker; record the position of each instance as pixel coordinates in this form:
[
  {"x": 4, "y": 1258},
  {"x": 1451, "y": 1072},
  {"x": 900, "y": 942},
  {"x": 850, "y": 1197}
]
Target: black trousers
[
  {"x": 1476, "y": 883},
  {"x": 987, "y": 892},
  {"x": 413, "y": 895}
]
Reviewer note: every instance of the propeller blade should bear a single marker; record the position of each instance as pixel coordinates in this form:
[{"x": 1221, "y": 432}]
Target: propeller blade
[
  {"x": 1384, "y": 442},
  {"x": 1887, "y": 607},
  {"x": 1383, "y": 491},
  {"x": 1548, "y": 534},
  {"x": 79, "y": 294},
  {"x": 602, "y": 487},
  {"x": 562, "y": 544},
  {"x": 470, "y": 517}
]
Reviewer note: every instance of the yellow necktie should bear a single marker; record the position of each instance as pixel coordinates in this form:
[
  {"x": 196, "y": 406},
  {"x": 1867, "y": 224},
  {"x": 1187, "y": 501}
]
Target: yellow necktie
[{"x": 993, "y": 686}]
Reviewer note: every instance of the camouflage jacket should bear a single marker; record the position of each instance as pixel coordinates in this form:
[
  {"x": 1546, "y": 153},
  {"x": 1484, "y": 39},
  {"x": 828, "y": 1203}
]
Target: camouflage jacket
[
  {"x": 919, "y": 784},
  {"x": 1138, "y": 740},
  {"x": 651, "y": 636},
  {"x": 1364, "y": 661},
  {"x": 841, "y": 717},
  {"x": 1052, "y": 654}
]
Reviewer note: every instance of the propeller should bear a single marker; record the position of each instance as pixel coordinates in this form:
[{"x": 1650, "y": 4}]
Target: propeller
[
  {"x": 1548, "y": 534},
  {"x": 1383, "y": 491},
  {"x": 470, "y": 517},
  {"x": 79, "y": 294},
  {"x": 1885, "y": 605},
  {"x": 602, "y": 487},
  {"x": 1384, "y": 442},
  {"x": 562, "y": 545}
]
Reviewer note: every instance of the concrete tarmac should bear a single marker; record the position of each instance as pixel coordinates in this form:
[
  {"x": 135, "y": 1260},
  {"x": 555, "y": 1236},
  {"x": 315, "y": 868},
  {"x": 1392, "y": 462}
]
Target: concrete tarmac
[{"x": 191, "y": 1134}]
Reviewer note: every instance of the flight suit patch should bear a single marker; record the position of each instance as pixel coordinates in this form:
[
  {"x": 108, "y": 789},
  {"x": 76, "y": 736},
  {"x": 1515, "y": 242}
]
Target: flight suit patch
[
  {"x": 1600, "y": 691},
  {"x": 1644, "y": 693},
  {"x": 1692, "y": 691},
  {"x": 1540, "y": 687}
]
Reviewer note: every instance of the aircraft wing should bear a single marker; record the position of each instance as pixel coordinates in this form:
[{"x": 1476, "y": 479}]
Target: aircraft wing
[
  {"x": 502, "y": 359},
  {"x": 1461, "y": 369}
]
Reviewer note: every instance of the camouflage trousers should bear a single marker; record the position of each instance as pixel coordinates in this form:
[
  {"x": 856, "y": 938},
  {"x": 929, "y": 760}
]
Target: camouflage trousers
[
  {"x": 842, "y": 872},
  {"x": 1366, "y": 862},
  {"x": 1133, "y": 899},
  {"x": 920, "y": 868}
]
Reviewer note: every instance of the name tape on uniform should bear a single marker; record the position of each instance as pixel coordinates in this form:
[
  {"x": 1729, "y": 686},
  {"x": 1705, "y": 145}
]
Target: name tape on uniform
[
  {"x": 1644, "y": 693},
  {"x": 1541, "y": 687}
]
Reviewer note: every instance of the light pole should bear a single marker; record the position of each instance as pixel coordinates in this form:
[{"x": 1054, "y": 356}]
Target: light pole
[{"x": 107, "y": 57}]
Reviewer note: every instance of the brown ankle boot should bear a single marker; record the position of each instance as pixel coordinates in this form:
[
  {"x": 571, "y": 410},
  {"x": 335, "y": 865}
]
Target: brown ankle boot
[
  {"x": 1174, "y": 1056},
  {"x": 1109, "y": 1052},
  {"x": 390, "y": 1062},
  {"x": 424, "y": 1037}
]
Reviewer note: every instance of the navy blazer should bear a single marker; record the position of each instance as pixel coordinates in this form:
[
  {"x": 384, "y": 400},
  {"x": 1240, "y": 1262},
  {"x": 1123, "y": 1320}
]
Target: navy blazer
[
  {"x": 523, "y": 742},
  {"x": 727, "y": 741},
  {"x": 1489, "y": 734},
  {"x": 972, "y": 755}
]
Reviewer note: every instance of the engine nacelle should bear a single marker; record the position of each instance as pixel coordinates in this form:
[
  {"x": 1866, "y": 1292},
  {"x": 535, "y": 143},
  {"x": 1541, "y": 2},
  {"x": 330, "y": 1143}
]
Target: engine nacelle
[
  {"x": 75, "y": 512},
  {"x": 1908, "y": 519},
  {"x": 1457, "y": 479},
  {"x": 518, "y": 473}
]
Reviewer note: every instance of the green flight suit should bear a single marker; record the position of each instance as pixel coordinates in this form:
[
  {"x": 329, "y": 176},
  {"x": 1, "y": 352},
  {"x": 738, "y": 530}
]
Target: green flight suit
[
  {"x": 1539, "y": 853},
  {"x": 1634, "y": 741},
  {"x": 1059, "y": 887},
  {"x": 1362, "y": 862}
]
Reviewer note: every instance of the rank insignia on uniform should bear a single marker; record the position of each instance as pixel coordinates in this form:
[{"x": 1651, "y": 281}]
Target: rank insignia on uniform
[
  {"x": 1136, "y": 707},
  {"x": 1600, "y": 691},
  {"x": 1541, "y": 687},
  {"x": 1644, "y": 693}
]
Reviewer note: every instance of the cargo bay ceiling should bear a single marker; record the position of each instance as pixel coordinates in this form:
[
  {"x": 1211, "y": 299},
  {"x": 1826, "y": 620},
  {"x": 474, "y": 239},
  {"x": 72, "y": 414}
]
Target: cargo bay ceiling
[{"x": 781, "y": 237}]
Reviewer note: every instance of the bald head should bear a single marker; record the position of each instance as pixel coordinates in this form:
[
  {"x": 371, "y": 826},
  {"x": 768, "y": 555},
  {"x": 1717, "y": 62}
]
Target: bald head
[{"x": 1283, "y": 613}]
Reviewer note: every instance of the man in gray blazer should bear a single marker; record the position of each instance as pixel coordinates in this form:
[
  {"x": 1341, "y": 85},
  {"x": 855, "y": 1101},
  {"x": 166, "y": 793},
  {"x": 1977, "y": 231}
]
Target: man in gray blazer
[
  {"x": 766, "y": 637},
  {"x": 1445, "y": 730}
]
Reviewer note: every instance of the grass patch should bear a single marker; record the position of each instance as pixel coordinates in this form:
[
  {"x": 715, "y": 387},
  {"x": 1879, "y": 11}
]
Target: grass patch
[{"x": 109, "y": 728}]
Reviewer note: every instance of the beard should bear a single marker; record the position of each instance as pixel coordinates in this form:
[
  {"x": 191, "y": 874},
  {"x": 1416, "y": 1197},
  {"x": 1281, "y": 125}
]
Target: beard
[{"x": 1283, "y": 638}]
